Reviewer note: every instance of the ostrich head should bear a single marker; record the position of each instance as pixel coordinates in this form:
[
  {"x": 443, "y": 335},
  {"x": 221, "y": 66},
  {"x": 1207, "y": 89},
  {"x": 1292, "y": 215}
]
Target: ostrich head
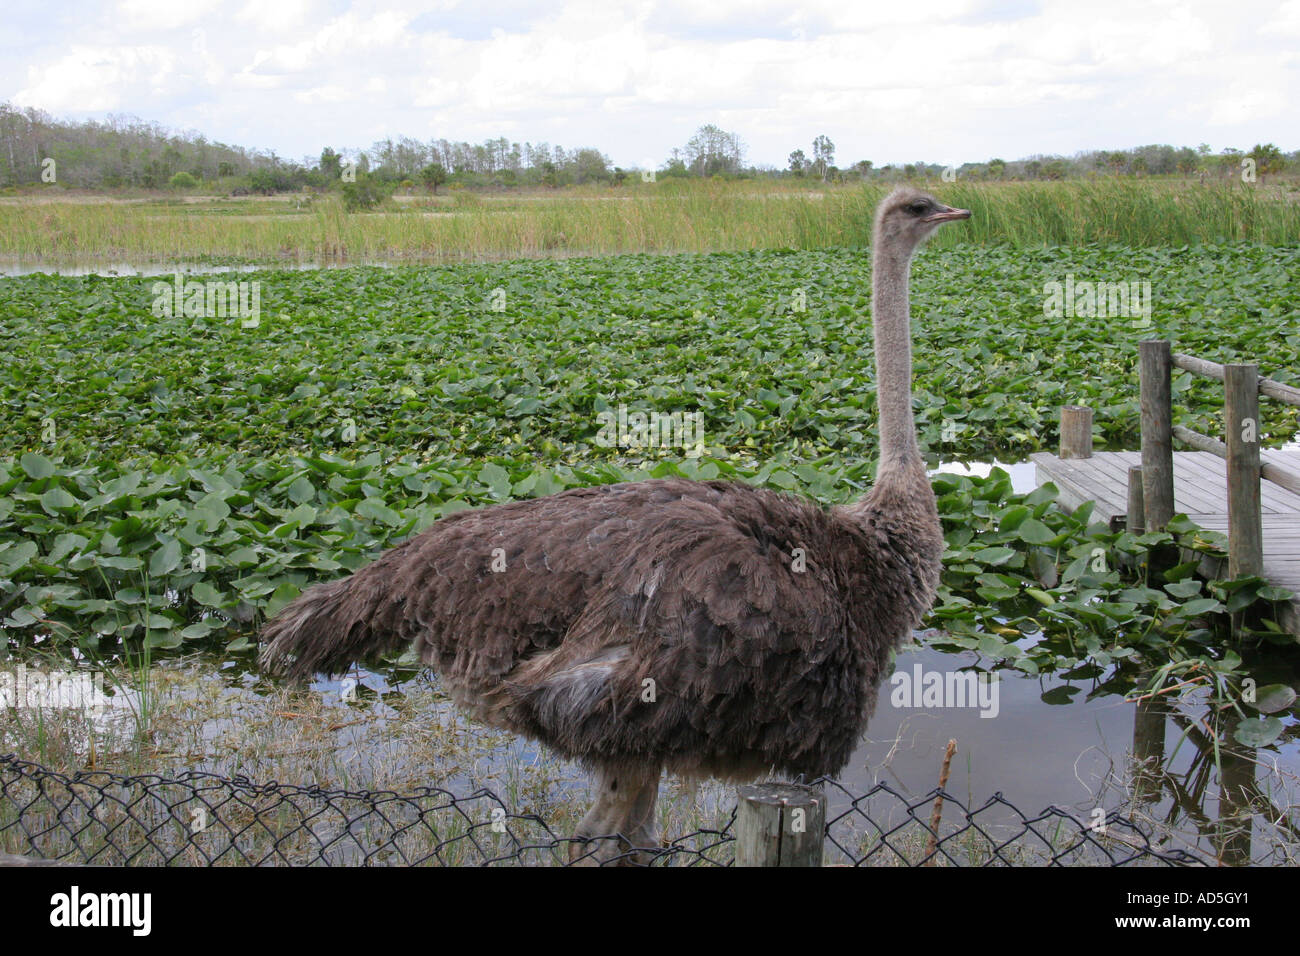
[{"x": 906, "y": 217}]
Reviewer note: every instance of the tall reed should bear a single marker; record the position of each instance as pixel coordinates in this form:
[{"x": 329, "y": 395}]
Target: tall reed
[{"x": 664, "y": 217}]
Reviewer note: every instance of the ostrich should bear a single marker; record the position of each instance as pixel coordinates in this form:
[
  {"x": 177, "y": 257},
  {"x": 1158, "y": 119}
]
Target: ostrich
[{"x": 704, "y": 627}]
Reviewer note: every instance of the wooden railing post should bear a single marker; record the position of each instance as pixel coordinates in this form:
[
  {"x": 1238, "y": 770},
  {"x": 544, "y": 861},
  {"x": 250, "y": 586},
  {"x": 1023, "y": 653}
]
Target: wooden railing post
[
  {"x": 1157, "y": 437},
  {"x": 1076, "y": 432},
  {"x": 780, "y": 824},
  {"x": 1135, "y": 520},
  {"x": 1241, "y": 419}
]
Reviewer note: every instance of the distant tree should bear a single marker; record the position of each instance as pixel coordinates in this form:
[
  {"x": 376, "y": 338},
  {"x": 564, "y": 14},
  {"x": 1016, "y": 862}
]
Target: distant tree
[
  {"x": 182, "y": 180},
  {"x": 862, "y": 167},
  {"x": 590, "y": 165},
  {"x": 366, "y": 193},
  {"x": 1139, "y": 165},
  {"x": 823, "y": 155},
  {"x": 713, "y": 150},
  {"x": 331, "y": 163},
  {"x": 1268, "y": 158},
  {"x": 996, "y": 168},
  {"x": 1229, "y": 161},
  {"x": 798, "y": 162},
  {"x": 433, "y": 176},
  {"x": 675, "y": 167}
]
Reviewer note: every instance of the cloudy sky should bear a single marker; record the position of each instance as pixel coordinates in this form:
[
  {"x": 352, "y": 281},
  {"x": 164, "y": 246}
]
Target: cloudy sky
[{"x": 942, "y": 80}]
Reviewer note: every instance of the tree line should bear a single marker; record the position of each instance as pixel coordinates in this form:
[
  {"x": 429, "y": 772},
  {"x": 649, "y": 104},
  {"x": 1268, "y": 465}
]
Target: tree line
[{"x": 126, "y": 152}]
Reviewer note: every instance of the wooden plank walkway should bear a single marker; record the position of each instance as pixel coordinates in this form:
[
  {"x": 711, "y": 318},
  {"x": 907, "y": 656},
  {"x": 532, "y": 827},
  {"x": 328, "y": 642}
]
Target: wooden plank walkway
[{"x": 1200, "y": 492}]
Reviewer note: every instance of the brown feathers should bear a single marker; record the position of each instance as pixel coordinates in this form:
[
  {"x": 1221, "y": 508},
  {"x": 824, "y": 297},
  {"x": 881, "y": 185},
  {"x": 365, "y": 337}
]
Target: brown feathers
[{"x": 707, "y": 626}]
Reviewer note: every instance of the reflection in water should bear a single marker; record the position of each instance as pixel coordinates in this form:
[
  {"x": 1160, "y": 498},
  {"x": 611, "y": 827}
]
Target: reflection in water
[
  {"x": 1214, "y": 758},
  {"x": 1046, "y": 741},
  {"x": 1148, "y": 754},
  {"x": 1152, "y": 761}
]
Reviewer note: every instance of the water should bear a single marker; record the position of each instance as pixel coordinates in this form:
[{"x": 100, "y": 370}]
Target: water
[
  {"x": 1038, "y": 750},
  {"x": 1023, "y": 473},
  {"x": 20, "y": 268}
]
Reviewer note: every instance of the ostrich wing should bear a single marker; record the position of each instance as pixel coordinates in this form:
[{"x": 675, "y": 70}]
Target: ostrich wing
[
  {"x": 709, "y": 647},
  {"x": 551, "y": 616}
]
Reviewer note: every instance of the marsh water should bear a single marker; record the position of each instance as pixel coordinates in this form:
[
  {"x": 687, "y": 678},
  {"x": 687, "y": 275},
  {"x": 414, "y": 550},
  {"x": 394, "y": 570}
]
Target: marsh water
[
  {"x": 19, "y": 267},
  {"x": 1044, "y": 742}
]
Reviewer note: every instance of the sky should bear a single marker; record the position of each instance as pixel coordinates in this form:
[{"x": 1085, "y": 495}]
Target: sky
[{"x": 945, "y": 81}]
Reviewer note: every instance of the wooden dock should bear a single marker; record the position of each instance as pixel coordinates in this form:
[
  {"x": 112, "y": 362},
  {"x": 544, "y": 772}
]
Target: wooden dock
[
  {"x": 1233, "y": 485},
  {"x": 1200, "y": 492}
]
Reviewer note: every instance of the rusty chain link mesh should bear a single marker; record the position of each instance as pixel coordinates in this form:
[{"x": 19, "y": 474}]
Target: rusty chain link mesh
[{"x": 204, "y": 819}]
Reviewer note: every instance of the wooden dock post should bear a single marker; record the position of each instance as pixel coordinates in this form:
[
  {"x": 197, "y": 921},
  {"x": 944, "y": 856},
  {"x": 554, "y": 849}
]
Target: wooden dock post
[
  {"x": 780, "y": 824},
  {"x": 1241, "y": 419},
  {"x": 1236, "y": 486},
  {"x": 1135, "y": 516},
  {"x": 1076, "y": 432},
  {"x": 1157, "y": 436}
]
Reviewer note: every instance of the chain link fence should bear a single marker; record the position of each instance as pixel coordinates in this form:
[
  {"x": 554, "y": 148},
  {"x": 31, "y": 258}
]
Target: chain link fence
[{"x": 204, "y": 819}]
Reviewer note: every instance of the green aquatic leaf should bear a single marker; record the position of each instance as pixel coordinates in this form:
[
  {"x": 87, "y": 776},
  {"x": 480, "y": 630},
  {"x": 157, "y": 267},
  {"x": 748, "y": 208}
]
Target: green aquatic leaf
[
  {"x": 37, "y": 466},
  {"x": 166, "y": 559},
  {"x": 1273, "y": 698},
  {"x": 1032, "y": 531},
  {"x": 1258, "y": 733}
]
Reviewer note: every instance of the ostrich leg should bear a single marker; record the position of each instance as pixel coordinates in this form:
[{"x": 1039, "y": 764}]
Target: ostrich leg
[{"x": 625, "y": 805}]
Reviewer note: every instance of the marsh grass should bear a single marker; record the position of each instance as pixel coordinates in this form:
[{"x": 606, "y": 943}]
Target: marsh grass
[{"x": 663, "y": 217}]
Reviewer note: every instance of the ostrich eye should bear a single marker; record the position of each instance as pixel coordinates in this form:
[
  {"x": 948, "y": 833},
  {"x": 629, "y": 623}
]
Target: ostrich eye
[{"x": 917, "y": 207}]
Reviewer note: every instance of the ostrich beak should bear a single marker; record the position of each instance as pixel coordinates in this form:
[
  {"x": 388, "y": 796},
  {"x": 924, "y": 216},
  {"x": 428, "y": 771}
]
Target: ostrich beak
[{"x": 948, "y": 214}]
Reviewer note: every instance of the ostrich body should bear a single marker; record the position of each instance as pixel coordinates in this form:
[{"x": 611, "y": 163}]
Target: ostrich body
[{"x": 708, "y": 628}]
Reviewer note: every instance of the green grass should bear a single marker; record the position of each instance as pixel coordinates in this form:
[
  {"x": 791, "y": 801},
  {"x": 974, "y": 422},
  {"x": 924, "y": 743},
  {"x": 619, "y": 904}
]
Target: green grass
[{"x": 669, "y": 216}]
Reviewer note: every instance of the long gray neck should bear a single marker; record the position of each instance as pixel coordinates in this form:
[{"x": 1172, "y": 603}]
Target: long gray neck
[{"x": 893, "y": 341}]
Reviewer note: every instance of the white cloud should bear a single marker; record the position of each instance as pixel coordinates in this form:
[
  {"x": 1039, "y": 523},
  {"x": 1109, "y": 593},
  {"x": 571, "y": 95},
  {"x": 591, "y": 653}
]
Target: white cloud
[
  {"x": 942, "y": 79},
  {"x": 1286, "y": 21},
  {"x": 90, "y": 78},
  {"x": 163, "y": 14}
]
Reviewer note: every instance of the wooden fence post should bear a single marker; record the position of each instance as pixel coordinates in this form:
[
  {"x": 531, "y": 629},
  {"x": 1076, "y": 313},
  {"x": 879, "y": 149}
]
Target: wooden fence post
[
  {"x": 1076, "y": 432},
  {"x": 1135, "y": 519},
  {"x": 780, "y": 824},
  {"x": 1157, "y": 437},
  {"x": 1241, "y": 419}
]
